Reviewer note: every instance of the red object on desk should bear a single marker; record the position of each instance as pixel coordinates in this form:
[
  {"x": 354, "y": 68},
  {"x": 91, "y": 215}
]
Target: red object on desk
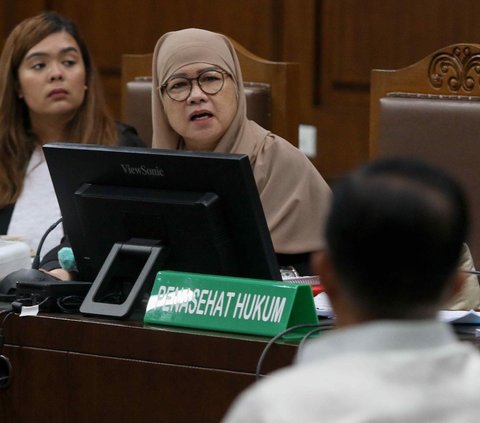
[{"x": 316, "y": 289}]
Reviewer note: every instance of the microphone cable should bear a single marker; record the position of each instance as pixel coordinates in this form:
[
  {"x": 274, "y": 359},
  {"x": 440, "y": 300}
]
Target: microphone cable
[
  {"x": 36, "y": 258},
  {"x": 317, "y": 328},
  {"x": 308, "y": 335},
  {"x": 5, "y": 365}
]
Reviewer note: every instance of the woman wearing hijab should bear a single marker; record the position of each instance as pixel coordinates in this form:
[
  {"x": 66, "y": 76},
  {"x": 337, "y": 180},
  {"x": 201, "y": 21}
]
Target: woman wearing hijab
[{"x": 199, "y": 103}]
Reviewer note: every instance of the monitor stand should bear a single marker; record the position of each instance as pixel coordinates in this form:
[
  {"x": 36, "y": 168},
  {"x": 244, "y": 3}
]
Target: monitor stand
[{"x": 125, "y": 277}]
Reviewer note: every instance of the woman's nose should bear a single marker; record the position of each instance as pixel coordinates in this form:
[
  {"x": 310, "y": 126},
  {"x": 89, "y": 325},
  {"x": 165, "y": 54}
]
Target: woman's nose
[
  {"x": 56, "y": 72},
  {"x": 196, "y": 93}
]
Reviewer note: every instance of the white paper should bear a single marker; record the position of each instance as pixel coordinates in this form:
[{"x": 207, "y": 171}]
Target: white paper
[
  {"x": 29, "y": 310},
  {"x": 322, "y": 305},
  {"x": 460, "y": 316}
]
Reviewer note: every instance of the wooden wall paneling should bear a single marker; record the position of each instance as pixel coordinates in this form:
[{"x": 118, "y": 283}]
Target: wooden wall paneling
[
  {"x": 300, "y": 46},
  {"x": 358, "y": 35},
  {"x": 342, "y": 140},
  {"x": 385, "y": 34},
  {"x": 337, "y": 43},
  {"x": 13, "y": 12},
  {"x": 4, "y": 22},
  {"x": 135, "y": 27},
  {"x": 342, "y": 130},
  {"x": 341, "y": 108}
]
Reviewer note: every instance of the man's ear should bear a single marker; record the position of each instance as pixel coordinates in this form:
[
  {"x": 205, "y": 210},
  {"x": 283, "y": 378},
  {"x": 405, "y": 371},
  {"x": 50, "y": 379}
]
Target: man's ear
[{"x": 457, "y": 282}]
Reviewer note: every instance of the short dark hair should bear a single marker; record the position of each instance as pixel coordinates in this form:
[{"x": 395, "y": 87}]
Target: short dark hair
[{"x": 395, "y": 234}]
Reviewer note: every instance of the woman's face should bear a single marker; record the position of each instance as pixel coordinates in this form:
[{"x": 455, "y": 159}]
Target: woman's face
[
  {"x": 52, "y": 77},
  {"x": 201, "y": 119}
]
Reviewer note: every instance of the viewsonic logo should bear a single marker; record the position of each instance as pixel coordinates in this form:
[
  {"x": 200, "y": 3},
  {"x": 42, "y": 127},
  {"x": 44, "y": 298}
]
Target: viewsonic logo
[{"x": 142, "y": 170}]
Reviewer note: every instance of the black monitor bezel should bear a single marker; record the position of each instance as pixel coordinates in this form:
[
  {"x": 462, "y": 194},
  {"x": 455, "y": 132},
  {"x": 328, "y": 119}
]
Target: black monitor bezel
[{"x": 228, "y": 175}]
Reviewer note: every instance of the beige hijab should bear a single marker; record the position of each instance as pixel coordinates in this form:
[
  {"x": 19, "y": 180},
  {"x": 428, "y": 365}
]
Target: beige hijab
[{"x": 294, "y": 196}]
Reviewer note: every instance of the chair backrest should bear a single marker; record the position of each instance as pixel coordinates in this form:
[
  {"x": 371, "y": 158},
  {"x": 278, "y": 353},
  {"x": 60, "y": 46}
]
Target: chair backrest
[
  {"x": 431, "y": 110},
  {"x": 270, "y": 89}
]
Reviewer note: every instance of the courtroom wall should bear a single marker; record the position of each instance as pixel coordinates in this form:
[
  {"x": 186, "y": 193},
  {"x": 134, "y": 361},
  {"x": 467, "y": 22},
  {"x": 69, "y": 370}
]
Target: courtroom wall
[{"x": 337, "y": 43}]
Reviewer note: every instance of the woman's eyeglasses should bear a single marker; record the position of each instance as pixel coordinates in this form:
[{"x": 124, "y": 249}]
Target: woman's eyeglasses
[{"x": 179, "y": 88}]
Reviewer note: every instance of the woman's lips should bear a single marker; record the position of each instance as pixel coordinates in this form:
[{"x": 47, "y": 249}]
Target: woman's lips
[
  {"x": 201, "y": 114},
  {"x": 59, "y": 92}
]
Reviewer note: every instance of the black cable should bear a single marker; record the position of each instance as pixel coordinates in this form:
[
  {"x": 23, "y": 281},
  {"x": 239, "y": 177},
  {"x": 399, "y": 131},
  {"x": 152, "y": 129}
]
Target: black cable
[
  {"x": 70, "y": 303},
  {"x": 42, "y": 302},
  {"x": 33, "y": 300},
  {"x": 274, "y": 339},
  {"x": 328, "y": 324},
  {"x": 7, "y": 313},
  {"x": 307, "y": 336},
  {"x": 5, "y": 364},
  {"x": 36, "y": 259}
]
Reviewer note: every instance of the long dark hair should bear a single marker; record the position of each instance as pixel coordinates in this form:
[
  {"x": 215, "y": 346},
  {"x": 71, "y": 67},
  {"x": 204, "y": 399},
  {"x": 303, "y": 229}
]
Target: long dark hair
[{"x": 92, "y": 123}]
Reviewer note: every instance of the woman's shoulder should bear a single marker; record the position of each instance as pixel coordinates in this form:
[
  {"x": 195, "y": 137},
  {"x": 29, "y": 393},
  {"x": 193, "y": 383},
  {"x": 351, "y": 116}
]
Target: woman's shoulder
[
  {"x": 282, "y": 151},
  {"x": 128, "y": 136}
]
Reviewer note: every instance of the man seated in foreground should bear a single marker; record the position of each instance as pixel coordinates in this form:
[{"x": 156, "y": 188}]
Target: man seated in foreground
[{"x": 394, "y": 237}]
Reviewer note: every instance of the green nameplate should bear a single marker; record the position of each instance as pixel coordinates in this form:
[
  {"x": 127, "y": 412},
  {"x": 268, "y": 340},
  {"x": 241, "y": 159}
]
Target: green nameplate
[{"x": 228, "y": 304}]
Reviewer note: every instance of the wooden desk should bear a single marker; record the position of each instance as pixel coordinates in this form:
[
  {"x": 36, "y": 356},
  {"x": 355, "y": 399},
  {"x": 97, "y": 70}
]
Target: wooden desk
[{"x": 75, "y": 369}]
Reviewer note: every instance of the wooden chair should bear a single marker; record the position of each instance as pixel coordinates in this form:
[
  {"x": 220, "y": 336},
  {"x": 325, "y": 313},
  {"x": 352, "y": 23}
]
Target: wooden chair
[
  {"x": 271, "y": 93},
  {"x": 431, "y": 110}
]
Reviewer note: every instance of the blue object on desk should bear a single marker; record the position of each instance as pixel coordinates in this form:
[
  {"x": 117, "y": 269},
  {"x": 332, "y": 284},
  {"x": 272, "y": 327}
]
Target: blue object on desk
[{"x": 66, "y": 259}]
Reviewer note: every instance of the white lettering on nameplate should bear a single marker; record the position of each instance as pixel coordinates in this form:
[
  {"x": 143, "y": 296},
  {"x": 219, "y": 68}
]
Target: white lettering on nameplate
[{"x": 225, "y": 304}]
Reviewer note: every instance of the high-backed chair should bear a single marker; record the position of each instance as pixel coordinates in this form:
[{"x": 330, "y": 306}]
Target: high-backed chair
[
  {"x": 431, "y": 110},
  {"x": 270, "y": 88}
]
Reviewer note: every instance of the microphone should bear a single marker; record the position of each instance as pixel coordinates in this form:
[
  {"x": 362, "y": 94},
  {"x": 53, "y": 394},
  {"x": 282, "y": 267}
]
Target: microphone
[{"x": 36, "y": 258}]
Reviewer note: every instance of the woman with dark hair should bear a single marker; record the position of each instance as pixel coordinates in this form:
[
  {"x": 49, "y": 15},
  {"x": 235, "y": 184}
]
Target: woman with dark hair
[{"x": 49, "y": 91}]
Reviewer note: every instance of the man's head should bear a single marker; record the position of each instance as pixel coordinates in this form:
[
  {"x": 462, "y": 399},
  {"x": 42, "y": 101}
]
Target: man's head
[{"x": 394, "y": 237}]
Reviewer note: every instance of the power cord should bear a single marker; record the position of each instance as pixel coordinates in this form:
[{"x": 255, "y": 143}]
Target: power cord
[
  {"x": 308, "y": 335},
  {"x": 7, "y": 313},
  {"x": 5, "y": 365},
  {"x": 318, "y": 327},
  {"x": 66, "y": 304},
  {"x": 43, "y": 303},
  {"x": 70, "y": 303},
  {"x": 15, "y": 308}
]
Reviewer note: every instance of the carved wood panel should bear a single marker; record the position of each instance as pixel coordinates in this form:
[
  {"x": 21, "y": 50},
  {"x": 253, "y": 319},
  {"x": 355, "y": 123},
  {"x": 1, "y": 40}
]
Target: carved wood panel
[{"x": 459, "y": 70}]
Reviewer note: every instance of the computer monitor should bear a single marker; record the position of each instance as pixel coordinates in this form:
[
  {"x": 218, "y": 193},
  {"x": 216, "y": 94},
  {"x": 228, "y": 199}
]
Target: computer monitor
[{"x": 130, "y": 212}]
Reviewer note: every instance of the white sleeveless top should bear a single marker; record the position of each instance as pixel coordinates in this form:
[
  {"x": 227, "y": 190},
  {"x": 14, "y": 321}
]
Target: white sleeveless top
[{"x": 37, "y": 207}]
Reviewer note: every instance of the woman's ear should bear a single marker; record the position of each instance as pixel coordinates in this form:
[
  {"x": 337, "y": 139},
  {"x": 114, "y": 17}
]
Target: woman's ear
[{"x": 18, "y": 88}]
